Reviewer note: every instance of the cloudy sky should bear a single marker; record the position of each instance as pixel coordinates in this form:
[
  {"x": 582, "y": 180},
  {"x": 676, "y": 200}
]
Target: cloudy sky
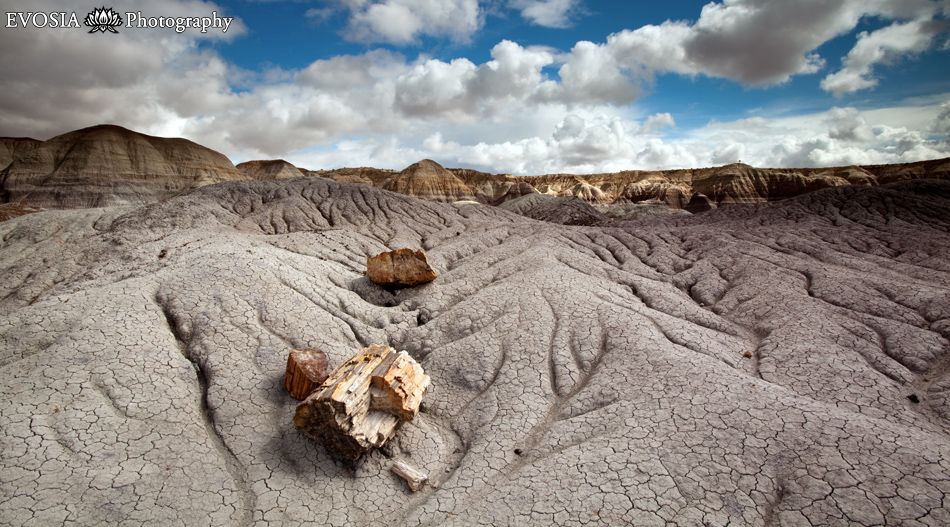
[{"x": 519, "y": 86}]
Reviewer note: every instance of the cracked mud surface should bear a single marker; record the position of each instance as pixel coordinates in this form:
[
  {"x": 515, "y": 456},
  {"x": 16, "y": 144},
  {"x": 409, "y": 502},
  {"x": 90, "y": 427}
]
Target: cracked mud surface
[{"x": 749, "y": 366}]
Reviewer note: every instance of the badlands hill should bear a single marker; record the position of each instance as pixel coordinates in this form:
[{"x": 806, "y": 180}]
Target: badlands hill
[
  {"x": 11, "y": 147},
  {"x": 110, "y": 165},
  {"x": 428, "y": 180},
  {"x": 707, "y": 187},
  {"x": 780, "y": 363},
  {"x": 275, "y": 169}
]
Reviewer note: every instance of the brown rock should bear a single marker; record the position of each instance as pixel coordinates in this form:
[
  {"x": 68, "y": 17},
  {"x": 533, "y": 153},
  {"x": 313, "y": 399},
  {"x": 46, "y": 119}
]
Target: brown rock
[
  {"x": 402, "y": 268},
  {"x": 306, "y": 370},
  {"x": 361, "y": 404}
]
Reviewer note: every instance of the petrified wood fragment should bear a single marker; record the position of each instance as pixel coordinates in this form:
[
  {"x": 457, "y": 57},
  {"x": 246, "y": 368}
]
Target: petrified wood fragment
[
  {"x": 413, "y": 476},
  {"x": 362, "y": 402},
  {"x": 402, "y": 268},
  {"x": 306, "y": 370}
]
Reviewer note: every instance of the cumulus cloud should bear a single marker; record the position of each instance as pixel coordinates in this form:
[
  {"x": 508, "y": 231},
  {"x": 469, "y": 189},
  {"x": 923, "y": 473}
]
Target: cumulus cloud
[
  {"x": 460, "y": 90},
  {"x": 839, "y": 136},
  {"x": 941, "y": 123},
  {"x": 509, "y": 113},
  {"x": 588, "y": 142},
  {"x": 880, "y": 47},
  {"x": 548, "y": 13},
  {"x": 403, "y": 21},
  {"x": 137, "y": 77},
  {"x": 752, "y": 42}
]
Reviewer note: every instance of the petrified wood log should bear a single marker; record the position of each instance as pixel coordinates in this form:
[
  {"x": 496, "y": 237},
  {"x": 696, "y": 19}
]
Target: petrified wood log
[
  {"x": 306, "y": 370},
  {"x": 362, "y": 402},
  {"x": 402, "y": 268}
]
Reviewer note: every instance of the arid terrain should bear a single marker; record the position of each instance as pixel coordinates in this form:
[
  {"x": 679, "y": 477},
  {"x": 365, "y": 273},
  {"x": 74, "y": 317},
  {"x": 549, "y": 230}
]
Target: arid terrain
[{"x": 778, "y": 357}]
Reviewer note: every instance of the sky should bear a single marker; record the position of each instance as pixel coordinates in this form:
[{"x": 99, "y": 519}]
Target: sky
[{"x": 518, "y": 86}]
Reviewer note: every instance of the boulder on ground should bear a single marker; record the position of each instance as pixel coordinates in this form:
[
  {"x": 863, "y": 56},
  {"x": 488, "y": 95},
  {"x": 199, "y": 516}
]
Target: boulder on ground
[
  {"x": 401, "y": 268},
  {"x": 361, "y": 404}
]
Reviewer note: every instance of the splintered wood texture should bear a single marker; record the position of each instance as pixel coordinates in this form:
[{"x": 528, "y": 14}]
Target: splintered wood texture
[
  {"x": 402, "y": 268},
  {"x": 306, "y": 370},
  {"x": 413, "y": 476},
  {"x": 363, "y": 401}
]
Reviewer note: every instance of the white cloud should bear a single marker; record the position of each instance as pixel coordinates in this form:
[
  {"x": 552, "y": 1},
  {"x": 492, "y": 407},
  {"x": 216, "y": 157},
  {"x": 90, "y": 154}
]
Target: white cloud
[
  {"x": 880, "y": 47},
  {"x": 547, "y": 13},
  {"x": 657, "y": 122},
  {"x": 749, "y": 41},
  {"x": 62, "y": 79},
  {"x": 941, "y": 123},
  {"x": 592, "y": 142},
  {"x": 380, "y": 108},
  {"x": 403, "y": 21},
  {"x": 461, "y": 91}
]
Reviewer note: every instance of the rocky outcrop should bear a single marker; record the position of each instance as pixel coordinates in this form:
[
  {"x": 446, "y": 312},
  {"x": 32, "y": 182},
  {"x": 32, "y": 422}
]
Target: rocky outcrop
[
  {"x": 699, "y": 203},
  {"x": 739, "y": 183},
  {"x": 568, "y": 210},
  {"x": 589, "y": 193},
  {"x": 428, "y": 180},
  {"x": 493, "y": 189},
  {"x": 13, "y": 147},
  {"x": 675, "y": 196},
  {"x": 400, "y": 268},
  {"x": 109, "y": 165},
  {"x": 934, "y": 169},
  {"x": 373, "y": 177},
  {"x": 361, "y": 404},
  {"x": 277, "y": 169},
  {"x": 634, "y": 211}
]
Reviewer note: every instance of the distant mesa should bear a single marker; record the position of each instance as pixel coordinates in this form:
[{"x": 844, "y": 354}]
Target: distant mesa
[
  {"x": 276, "y": 169},
  {"x": 739, "y": 183},
  {"x": 109, "y": 165}
]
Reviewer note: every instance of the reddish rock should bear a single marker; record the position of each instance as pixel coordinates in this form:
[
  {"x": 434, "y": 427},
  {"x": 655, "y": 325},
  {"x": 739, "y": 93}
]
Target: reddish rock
[
  {"x": 306, "y": 370},
  {"x": 402, "y": 268}
]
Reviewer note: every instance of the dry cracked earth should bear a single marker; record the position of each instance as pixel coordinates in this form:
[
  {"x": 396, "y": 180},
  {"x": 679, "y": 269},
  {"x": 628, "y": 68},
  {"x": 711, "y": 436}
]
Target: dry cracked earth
[{"x": 774, "y": 364}]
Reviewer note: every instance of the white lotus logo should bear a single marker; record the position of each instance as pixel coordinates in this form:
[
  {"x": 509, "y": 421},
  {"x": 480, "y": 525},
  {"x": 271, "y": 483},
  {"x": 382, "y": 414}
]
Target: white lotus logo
[{"x": 103, "y": 19}]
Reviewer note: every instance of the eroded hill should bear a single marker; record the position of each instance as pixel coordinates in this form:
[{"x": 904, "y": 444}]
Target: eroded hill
[{"x": 770, "y": 364}]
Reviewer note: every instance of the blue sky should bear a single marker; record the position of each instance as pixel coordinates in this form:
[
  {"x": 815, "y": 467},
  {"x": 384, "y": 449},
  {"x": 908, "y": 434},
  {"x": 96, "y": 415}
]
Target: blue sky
[{"x": 519, "y": 86}]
